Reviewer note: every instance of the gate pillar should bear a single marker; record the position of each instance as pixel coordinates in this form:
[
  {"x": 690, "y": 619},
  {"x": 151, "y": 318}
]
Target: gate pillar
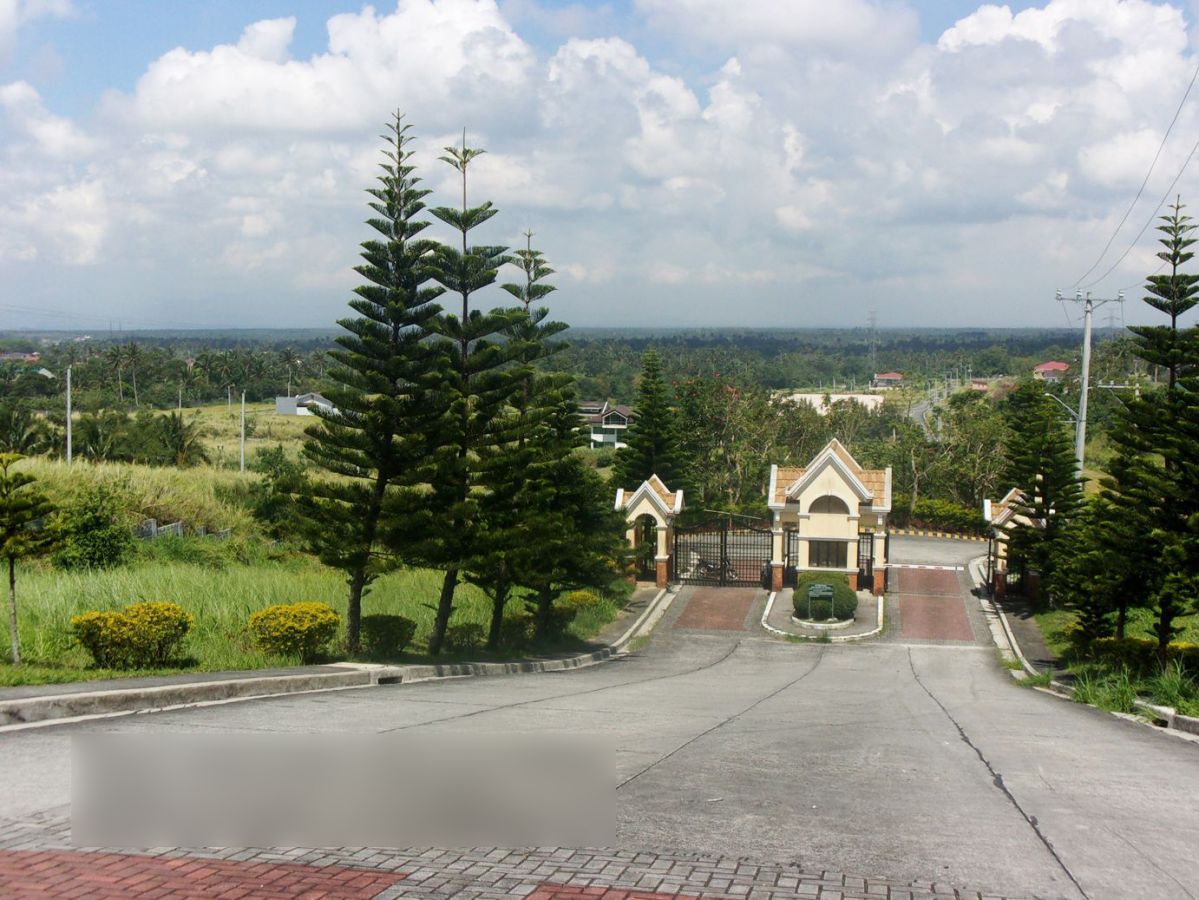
[
  {"x": 655, "y": 500},
  {"x": 662, "y": 559},
  {"x": 776, "y": 555}
]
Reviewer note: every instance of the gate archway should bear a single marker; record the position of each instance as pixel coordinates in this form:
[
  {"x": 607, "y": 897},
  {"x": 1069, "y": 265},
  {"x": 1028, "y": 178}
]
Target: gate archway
[{"x": 722, "y": 553}]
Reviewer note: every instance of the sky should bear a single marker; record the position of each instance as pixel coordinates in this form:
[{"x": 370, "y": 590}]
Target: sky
[{"x": 760, "y": 163}]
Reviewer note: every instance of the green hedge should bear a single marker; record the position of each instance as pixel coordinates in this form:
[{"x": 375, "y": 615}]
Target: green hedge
[
  {"x": 936, "y": 515},
  {"x": 842, "y": 606}
]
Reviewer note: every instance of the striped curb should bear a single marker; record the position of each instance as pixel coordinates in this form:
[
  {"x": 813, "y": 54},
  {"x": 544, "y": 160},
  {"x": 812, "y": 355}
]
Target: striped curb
[{"x": 947, "y": 535}]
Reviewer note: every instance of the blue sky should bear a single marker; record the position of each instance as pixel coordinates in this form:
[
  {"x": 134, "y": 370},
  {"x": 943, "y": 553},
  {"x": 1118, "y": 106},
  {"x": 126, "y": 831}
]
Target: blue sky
[{"x": 688, "y": 162}]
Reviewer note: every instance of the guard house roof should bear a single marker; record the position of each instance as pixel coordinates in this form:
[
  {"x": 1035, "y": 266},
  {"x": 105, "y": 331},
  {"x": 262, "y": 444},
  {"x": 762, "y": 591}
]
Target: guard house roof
[{"x": 872, "y": 485}]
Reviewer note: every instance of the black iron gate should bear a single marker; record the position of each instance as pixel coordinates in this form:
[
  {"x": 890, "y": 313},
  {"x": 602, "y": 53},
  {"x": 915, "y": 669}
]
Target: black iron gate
[
  {"x": 721, "y": 552},
  {"x": 866, "y": 561}
]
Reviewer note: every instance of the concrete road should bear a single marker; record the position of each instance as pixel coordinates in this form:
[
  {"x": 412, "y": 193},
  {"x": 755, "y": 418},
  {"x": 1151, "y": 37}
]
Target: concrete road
[{"x": 908, "y": 759}]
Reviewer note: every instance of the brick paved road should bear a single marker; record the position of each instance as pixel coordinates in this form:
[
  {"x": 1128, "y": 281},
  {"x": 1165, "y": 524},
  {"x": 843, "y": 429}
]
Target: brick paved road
[
  {"x": 755, "y": 767},
  {"x": 717, "y": 609}
]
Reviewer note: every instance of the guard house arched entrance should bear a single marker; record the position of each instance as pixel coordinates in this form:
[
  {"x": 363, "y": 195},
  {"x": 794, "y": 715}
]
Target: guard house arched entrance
[{"x": 651, "y": 506}]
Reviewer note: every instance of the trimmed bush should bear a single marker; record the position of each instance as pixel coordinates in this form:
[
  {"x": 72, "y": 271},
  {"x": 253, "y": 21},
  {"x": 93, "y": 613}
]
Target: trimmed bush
[
  {"x": 386, "y": 636},
  {"x": 464, "y": 636},
  {"x": 142, "y": 635},
  {"x": 516, "y": 630},
  {"x": 842, "y": 606},
  {"x": 581, "y": 600},
  {"x": 294, "y": 629}
]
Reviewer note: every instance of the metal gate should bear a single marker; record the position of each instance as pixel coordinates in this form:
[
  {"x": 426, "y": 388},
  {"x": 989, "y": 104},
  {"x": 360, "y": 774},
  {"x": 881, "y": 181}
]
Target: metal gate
[
  {"x": 719, "y": 552},
  {"x": 865, "y": 561}
]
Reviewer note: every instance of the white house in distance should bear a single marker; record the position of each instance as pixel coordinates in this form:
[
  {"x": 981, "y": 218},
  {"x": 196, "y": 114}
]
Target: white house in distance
[
  {"x": 606, "y": 423},
  {"x": 818, "y": 402},
  {"x": 830, "y": 515},
  {"x": 1051, "y": 372},
  {"x": 887, "y": 380},
  {"x": 302, "y": 404}
]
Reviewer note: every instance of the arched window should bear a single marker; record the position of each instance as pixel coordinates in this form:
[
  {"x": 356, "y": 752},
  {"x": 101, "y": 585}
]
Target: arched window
[{"x": 829, "y": 504}]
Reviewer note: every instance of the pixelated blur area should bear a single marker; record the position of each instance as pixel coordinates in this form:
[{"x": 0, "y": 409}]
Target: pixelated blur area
[{"x": 202, "y": 790}]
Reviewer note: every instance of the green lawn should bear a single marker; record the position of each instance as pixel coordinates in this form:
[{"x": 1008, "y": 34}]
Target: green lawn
[
  {"x": 1055, "y": 624},
  {"x": 221, "y": 600}
]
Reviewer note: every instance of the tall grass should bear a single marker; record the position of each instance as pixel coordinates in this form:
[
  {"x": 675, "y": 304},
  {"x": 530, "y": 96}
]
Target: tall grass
[
  {"x": 200, "y": 496},
  {"x": 221, "y": 601}
]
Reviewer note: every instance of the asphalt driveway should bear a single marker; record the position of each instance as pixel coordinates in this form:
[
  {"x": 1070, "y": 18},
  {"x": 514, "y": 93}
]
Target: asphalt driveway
[{"x": 914, "y": 760}]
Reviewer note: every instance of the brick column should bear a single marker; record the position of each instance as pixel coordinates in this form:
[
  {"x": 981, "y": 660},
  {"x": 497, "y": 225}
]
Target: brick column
[
  {"x": 662, "y": 571},
  {"x": 880, "y": 582},
  {"x": 776, "y": 576},
  {"x": 853, "y": 581}
]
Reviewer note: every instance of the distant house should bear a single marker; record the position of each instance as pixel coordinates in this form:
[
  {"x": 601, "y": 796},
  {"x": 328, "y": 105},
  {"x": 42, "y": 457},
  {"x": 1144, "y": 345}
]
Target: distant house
[
  {"x": 606, "y": 423},
  {"x": 302, "y": 405},
  {"x": 1051, "y": 372},
  {"x": 28, "y": 359},
  {"x": 887, "y": 380},
  {"x": 980, "y": 384}
]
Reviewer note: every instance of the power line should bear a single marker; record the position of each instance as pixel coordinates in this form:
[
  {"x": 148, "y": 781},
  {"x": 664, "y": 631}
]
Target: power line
[
  {"x": 1149, "y": 222},
  {"x": 1144, "y": 182}
]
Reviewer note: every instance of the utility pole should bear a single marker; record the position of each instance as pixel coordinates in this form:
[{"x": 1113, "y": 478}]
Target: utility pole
[
  {"x": 872, "y": 318},
  {"x": 243, "y": 431},
  {"x": 68, "y": 417},
  {"x": 1089, "y": 304}
]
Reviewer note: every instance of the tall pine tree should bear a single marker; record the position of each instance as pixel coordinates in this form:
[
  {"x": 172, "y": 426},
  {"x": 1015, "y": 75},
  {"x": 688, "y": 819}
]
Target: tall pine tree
[
  {"x": 376, "y": 440},
  {"x": 653, "y": 438},
  {"x": 477, "y": 384},
  {"x": 1152, "y": 481},
  {"x": 1042, "y": 465},
  {"x": 512, "y": 469}
]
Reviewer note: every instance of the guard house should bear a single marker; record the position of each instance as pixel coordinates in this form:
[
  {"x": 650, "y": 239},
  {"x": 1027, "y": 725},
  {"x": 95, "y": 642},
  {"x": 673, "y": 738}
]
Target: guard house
[
  {"x": 650, "y": 511},
  {"x": 830, "y": 515},
  {"x": 1003, "y": 517}
]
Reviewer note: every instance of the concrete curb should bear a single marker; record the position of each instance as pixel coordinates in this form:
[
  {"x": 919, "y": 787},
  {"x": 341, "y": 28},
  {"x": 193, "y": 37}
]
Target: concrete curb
[
  {"x": 835, "y": 638},
  {"x": 1164, "y": 716},
  {"x": 53, "y": 709},
  {"x": 950, "y": 535}
]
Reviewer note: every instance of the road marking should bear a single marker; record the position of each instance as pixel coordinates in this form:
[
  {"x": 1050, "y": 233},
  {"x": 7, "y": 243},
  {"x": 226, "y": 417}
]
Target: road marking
[{"x": 923, "y": 566}]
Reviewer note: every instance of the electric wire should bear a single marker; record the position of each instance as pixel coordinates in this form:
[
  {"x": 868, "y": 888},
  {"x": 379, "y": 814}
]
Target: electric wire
[
  {"x": 1144, "y": 182},
  {"x": 1150, "y": 221}
]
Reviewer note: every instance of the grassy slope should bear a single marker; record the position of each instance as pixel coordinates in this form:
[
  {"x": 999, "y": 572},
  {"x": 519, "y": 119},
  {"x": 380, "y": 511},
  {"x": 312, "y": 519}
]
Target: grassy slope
[
  {"x": 221, "y": 600},
  {"x": 219, "y": 582}
]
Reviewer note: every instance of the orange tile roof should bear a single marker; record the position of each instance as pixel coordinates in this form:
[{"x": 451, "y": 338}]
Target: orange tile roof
[{"x": 874, "y": 480}]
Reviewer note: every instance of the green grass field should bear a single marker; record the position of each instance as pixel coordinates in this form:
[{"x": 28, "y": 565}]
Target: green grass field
[
  {"x": 221, "y": 600},
  {"x": 1055, "y": 624}
]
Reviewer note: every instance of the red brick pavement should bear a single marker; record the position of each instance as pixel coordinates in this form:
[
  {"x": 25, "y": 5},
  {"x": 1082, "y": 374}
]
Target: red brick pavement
[
  {"x": 927, "y": 581},
  {"x": 567, "y": 892},
  {"x": 933, "y": 619},
  {"x": 109, "y": 876},
  {"x": 717, "y": 609},
  {"x": 931, "y": 607}
]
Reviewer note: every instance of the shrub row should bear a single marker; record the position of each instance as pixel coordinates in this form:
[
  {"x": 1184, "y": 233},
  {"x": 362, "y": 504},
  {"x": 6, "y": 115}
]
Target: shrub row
[
  {"x": 146, "y": 635},
  {"x": 937, "y": 515}
]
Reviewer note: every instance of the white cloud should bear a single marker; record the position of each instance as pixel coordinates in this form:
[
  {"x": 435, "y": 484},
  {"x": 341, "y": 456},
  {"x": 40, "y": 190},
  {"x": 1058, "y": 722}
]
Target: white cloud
[
  {"x": 824, "y": 152},
  {"x": 15, "y": 13}
]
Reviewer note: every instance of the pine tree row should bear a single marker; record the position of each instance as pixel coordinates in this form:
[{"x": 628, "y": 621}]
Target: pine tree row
[{"x": 449, "y": 447}]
